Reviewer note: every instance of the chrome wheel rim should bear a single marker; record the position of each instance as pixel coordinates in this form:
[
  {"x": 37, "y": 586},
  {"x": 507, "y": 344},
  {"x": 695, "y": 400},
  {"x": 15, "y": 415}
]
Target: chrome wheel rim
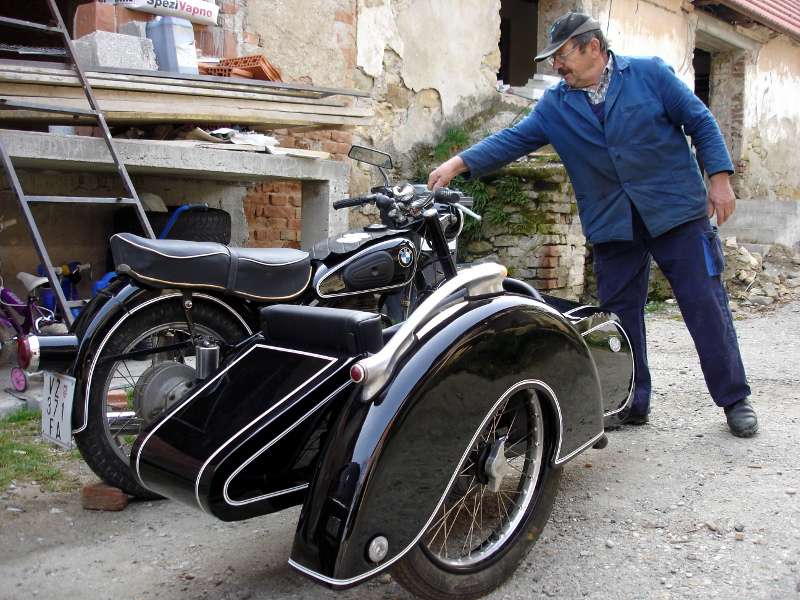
[{"x": 474, "y": 523}]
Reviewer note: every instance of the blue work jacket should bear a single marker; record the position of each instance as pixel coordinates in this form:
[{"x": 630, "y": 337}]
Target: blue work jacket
[{"x": 641, "y": 156}]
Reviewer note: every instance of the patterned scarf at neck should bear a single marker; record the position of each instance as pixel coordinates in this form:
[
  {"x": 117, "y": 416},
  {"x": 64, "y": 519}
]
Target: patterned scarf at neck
[{"x": 599, "y": 95}]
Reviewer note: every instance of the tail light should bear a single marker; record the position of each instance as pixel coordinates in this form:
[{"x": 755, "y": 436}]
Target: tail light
[
  {"x": 28, "y": 353},
  {"x": 48, "y": 352}
]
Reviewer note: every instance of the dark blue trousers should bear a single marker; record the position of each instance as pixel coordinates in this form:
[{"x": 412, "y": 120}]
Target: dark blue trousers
[{"x": 623, "y": 271}]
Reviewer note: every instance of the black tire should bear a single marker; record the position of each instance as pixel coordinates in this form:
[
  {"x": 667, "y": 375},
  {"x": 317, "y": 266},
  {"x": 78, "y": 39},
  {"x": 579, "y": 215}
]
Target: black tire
[
  {"x": 145, "y": 386},
  {"x": 212, "y": 225},
  {"x": 466, "y": 554}
]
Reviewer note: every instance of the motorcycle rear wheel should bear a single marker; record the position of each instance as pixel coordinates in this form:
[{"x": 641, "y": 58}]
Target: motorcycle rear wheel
[
  {"x": 128, "y": 393},
  {"x": 479, "y": 537}
]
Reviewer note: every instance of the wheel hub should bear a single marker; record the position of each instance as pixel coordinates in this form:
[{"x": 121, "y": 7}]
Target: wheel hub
[
  {"x": 496, "y": 465},
  {"x": 159, "y": 387}
]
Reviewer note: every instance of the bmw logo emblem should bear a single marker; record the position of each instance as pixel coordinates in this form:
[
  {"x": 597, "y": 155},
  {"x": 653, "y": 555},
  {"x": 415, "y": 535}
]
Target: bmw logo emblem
[
  {"x": 614, "y": 344},
  {"x": 405, "y": 256}
]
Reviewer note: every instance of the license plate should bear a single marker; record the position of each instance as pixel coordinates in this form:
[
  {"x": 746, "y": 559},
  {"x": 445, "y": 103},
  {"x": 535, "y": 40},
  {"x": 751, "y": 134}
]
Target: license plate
[{"x": 57, "y": 408}]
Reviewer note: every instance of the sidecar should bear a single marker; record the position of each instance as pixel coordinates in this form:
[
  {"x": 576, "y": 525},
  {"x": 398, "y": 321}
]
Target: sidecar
[{"x": 433, "y": 448}]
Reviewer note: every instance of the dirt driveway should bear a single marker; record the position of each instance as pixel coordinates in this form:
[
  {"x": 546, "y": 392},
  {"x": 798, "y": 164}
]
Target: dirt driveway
[{"x": 678, "y": 508}]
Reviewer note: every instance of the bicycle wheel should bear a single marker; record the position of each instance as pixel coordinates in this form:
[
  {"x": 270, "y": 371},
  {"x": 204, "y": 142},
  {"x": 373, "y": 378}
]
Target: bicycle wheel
[
  {"x": 495, "y": 510},
  {"x": 128, "y": 393}
]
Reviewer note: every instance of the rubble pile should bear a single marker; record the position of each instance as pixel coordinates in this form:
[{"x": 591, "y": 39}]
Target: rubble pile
[{"x": 753, "y": 280}]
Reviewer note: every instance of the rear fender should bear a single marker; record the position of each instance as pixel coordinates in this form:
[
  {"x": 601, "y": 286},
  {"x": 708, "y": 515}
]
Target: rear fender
[
  {"x": 390, "y": 460},
  {"x": 104, "y": 314}
]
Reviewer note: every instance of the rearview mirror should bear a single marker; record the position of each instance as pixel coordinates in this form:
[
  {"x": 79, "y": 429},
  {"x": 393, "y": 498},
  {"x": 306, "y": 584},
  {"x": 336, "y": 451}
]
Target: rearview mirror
[{"x": 371, "y": 157}]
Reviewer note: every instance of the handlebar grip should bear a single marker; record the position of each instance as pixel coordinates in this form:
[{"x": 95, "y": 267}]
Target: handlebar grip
[
  {"x": 348, "y": 202},
  {"x": 445, "y": 196}
]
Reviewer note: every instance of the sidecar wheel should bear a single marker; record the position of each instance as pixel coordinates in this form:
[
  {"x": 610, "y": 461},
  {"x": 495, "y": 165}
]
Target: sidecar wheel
[
  {"x": 126, "y": 394},
  {"x": 479, "y": 536}
]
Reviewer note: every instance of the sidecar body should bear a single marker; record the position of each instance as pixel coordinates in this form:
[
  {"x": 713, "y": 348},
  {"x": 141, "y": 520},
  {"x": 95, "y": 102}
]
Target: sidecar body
[{"x": 370, "y": 429}]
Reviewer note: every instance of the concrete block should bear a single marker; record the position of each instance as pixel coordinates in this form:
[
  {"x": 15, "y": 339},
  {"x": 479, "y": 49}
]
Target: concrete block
[
  {"x": 104, "y": 49},
  {"x": 134, "y": 28},
  {"x": 98, "y": 495}
]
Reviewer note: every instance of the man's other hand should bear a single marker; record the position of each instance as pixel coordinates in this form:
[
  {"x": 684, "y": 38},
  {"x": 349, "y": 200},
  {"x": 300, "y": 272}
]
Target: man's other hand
[{"x": 721, "y": 199}]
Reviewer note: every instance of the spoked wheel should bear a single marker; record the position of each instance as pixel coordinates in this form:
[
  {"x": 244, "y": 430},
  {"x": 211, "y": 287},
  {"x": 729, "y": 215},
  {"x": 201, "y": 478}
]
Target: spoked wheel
[
  {"x": 495, "y": 510},
  {"x": 130, "y": 387}
]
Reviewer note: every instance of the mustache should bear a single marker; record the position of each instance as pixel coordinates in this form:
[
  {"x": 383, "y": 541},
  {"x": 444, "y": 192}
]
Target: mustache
[{"x": 563, "y": 71}]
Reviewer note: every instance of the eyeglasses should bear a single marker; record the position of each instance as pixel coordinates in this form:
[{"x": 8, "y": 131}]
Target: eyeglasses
[{"x": 563, "y": 57}]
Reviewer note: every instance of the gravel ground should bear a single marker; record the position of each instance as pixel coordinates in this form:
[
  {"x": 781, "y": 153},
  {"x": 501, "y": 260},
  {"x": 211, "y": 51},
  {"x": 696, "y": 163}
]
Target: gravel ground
[{"x": 678, "y": 508}]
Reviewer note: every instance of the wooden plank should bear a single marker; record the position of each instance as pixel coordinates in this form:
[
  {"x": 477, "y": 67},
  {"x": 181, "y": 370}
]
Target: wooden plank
[
  {"x": 73, "y": 98},
  {"x": 8, "y": 78},
  {"x": 278, "y": 88}
]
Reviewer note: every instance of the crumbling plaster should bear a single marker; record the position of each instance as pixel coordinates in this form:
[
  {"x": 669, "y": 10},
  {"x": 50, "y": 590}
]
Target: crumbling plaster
[
  {"x": 772, "y": 123},
  {"x": 302, "y": 42},
  {"x": 641, "y": 28},
  {"x": 426, "y": 63}
]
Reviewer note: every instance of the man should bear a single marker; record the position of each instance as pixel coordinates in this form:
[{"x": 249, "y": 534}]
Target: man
[{"x": 619, "y": 125}]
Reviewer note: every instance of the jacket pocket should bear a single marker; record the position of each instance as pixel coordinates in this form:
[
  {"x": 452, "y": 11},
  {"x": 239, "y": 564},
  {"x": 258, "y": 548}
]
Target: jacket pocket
[
  {"x": 712, "y": 245},
  {"x": 643, "y": 122}
]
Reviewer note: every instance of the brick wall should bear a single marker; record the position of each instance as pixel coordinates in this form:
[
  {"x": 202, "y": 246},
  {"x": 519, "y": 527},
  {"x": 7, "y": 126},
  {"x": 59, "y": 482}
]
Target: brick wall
[
  {"x": 542, "y": 243},
  {"x": 273, "y": 208}
]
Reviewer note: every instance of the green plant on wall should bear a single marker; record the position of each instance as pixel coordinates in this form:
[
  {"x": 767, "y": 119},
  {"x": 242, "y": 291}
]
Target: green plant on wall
[{"x": 455, "y": 140}]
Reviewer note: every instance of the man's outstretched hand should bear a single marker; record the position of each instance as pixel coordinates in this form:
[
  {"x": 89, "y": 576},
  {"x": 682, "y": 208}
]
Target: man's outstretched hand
[{"x": 444, "y": 173}]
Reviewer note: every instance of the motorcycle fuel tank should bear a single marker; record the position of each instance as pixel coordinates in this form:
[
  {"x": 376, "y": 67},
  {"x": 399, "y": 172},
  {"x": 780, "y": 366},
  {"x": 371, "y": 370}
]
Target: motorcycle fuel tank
[{"x": 385, "y": 265}]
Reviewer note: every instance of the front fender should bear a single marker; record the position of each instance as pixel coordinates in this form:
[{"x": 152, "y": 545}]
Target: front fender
[{"x": 389, "y": 461}]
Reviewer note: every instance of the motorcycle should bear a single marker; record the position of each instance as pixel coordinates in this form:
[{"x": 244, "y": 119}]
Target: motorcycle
[
  {"x": 130, "y": 352},
  {"x": 431, "y": 448}
]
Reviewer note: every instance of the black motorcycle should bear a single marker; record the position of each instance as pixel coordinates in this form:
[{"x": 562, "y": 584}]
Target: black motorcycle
[
  {"x": 131, "y": 352},
  {"x": 431, "y": 448}
]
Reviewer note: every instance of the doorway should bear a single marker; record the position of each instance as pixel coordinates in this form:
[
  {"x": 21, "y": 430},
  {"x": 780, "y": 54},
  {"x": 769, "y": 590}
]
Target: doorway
[{"x": 518, "y": 45}]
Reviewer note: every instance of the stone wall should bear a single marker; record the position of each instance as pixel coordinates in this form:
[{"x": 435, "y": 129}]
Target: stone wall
[{"x": 540, "y": 241}]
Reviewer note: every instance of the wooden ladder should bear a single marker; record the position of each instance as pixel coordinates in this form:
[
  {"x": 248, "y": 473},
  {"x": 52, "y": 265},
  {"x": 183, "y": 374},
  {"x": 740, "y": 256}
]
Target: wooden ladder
[{"x": 93, "y": 112}]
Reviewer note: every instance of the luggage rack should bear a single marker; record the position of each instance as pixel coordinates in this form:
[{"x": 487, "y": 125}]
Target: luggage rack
[{"x": 24, "y": 200}]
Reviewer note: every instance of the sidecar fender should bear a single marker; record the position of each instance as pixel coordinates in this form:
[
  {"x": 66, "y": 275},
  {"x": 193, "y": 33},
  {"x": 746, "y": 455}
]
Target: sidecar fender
[{"x": 390, "y": 460}]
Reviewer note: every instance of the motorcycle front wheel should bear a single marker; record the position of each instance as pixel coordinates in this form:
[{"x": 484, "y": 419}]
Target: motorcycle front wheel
[
  {"x": 495, "y": 510},
  {"x": 129, "y": 391}
]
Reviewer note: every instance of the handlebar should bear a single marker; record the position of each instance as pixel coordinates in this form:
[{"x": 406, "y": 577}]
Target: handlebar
[{"x": 362, "y": 200}]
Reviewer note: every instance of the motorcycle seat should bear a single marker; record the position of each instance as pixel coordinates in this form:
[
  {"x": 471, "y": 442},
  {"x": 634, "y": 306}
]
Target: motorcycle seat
[{"x": 263, "y": 274}]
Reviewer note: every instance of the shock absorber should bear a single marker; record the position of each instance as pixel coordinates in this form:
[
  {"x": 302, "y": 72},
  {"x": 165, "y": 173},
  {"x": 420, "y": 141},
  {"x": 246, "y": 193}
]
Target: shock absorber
[{"x": 206, "y": 351}]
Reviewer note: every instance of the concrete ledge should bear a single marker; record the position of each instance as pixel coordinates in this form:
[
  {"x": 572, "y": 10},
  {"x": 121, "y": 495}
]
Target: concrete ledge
[{"x": 323, "y": 180}]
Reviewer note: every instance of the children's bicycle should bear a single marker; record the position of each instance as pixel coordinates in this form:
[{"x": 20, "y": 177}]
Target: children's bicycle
[{"x": 35, "y": 317}]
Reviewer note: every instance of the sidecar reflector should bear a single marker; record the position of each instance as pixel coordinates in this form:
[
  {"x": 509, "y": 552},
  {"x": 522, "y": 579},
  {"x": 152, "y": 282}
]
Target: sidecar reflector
[{"x": 358, "y": 373}]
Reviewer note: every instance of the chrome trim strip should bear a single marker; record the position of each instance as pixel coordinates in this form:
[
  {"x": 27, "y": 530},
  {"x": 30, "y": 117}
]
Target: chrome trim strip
[
  {"x": 481, "y": 280},
  {"x": 228, "y": 499},
  {"x": 331, "y": 362},
  {"x": 207, "y": 383},
  {"x": 129, "y": 312}
]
